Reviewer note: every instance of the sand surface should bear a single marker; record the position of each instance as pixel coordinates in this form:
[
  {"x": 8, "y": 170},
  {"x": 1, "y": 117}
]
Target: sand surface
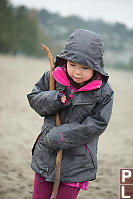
[{"x": 20, "y": 125}]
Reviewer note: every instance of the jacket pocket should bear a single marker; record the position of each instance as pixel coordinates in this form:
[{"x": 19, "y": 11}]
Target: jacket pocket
[
  {"x": 83, "y": 109},
  {"x": 77, "y": 159},
  {"x": 88, "y": 102},
  {"x": 90, "y": 158},
  {"x": 91, "y": 155},
  {"x": 85, "y": 99}
]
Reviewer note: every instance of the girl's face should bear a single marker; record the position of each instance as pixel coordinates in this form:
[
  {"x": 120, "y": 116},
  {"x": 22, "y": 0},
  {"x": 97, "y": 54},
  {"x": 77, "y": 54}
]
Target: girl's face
[{"x": 78, "y": 72}]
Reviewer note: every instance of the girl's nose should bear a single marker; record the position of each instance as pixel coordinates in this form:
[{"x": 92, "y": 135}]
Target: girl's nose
[{"x": 77, "y": 71}]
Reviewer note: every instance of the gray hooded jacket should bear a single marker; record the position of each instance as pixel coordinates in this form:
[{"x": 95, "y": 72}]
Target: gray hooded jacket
[{"x": 84, "y": 117}]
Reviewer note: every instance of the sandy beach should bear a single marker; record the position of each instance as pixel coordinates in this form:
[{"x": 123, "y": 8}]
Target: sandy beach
[{"x": 20, "y": 125}]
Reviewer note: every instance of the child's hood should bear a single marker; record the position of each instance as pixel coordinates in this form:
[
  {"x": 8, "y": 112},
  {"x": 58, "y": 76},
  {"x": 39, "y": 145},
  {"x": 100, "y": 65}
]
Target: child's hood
[{"x": 86, "y": 48}]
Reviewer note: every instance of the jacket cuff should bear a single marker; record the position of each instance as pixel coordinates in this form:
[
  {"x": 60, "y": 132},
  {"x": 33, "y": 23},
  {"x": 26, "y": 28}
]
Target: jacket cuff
[
  {"x": 46, "y": 141},
  {"x": 60, "y": 95},
  {"x": 54, "y": 139},
  {"x": 68, "y": 98},
  {"x": 47, "y": 144}
]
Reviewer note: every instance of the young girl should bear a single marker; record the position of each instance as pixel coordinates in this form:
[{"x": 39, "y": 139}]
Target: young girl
[{"x": 84, "y": 99}]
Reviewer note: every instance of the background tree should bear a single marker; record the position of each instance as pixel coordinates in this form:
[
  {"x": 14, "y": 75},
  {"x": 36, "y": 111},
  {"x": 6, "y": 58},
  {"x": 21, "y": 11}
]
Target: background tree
[{"x": 6, "y": 27}]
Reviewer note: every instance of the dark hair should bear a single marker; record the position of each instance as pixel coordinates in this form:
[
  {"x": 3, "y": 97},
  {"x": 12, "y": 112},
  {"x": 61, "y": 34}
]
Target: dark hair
[{"x": 60, "y": 62}]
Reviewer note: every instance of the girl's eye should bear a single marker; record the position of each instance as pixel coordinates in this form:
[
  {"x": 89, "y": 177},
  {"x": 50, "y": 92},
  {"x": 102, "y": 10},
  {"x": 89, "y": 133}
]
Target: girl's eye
[
  {"x": 72, "y": 64},
  {"x": 85, "y": 68}
]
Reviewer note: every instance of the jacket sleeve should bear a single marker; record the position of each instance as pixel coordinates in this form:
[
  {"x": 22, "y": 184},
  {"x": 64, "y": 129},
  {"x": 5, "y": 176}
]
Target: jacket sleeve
[
  {"x": 43, "y": 101},
  {"x": 75, "y": 134}
]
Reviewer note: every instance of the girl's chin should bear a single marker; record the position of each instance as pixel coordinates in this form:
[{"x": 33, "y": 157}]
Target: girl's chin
[{"x": 77, "y": 80}]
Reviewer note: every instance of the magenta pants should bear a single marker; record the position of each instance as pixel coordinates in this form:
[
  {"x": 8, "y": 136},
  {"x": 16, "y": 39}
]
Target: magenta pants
[{"x": 43, "y": 189}]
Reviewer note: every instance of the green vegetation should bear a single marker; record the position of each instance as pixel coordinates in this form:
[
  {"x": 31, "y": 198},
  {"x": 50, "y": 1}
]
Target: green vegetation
[{"x": 22, "y": 30}]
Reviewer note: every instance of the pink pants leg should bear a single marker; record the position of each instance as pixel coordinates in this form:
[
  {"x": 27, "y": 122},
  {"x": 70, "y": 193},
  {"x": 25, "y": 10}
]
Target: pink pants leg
[{"x": 43, "y": 189}]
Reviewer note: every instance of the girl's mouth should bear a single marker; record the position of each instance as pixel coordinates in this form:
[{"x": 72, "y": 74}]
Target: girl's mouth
[{"x": 77, "y": 79}]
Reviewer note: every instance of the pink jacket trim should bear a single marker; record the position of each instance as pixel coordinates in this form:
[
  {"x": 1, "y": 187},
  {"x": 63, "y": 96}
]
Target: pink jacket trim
[
  {"x": 91, "y": 86},
  {"x": 60, "y": 76},
  {"x": 81, "y": 185},
  {"x": 61, "y": 136}
]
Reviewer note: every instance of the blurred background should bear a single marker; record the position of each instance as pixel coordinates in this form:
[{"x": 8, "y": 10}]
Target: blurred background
[{"x": 24, "y": 25}]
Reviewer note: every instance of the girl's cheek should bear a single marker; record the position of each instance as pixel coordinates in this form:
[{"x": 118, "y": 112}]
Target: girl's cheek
[
  {"x": 69, "y": 72},
  {"x": 90, "y": 74}
]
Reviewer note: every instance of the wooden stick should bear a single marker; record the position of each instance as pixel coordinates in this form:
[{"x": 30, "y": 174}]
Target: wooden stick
[
  {"x": 58, "y": 122},
  {"x": 52, "y": 82}
]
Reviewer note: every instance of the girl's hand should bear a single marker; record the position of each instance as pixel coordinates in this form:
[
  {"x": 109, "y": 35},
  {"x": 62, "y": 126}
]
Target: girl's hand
[{"x": 63, "y": 99}]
